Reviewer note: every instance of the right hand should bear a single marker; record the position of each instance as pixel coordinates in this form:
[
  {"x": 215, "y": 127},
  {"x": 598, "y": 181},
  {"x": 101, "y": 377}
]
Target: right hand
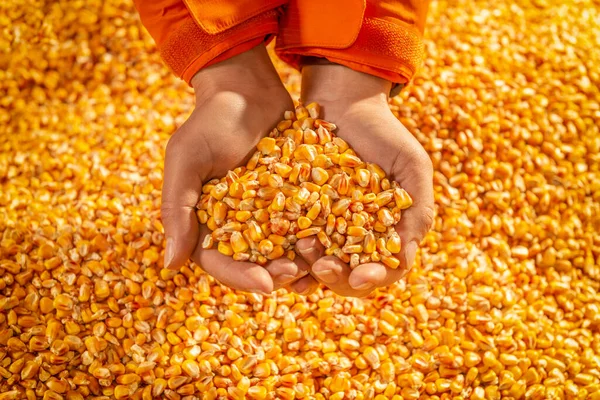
[
  {"x": 357, "y": 103},
  {"x": 238, "y": 101}
]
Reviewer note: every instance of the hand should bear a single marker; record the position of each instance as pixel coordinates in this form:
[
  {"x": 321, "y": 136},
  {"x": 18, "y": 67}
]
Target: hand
[
  {"x": 357, "y": 104},
  {"x": 238, "y": 101}
]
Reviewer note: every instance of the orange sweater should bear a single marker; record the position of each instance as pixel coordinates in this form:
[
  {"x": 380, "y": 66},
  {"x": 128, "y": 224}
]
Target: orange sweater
[{"x": 382, "y": 38}]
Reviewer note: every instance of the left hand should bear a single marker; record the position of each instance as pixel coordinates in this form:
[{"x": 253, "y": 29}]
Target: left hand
[
  {"x": 357, "y": 104},
  {"x": 238, "y": 101}
]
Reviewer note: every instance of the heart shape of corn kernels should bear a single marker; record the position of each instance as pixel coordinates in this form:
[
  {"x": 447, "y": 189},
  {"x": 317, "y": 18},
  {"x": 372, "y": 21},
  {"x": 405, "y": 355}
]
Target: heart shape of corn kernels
[{"x": 304, "y": 181}]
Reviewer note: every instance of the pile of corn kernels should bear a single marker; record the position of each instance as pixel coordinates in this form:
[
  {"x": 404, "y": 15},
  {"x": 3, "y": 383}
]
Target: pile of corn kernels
[
  {"x": 502, "y": 302},
  {"x": 303, "y": 182}
]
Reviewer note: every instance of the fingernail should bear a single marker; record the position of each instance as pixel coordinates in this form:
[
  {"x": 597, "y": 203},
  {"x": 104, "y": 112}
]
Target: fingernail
[
  {"x": 285, "y": 278},
  {"x": 327, "y": 276},
  {"x": 169, "y": 252},
  {"x": 410, "y": 254},
  {"x": 307, "y": 251},
  {"x": 302, "y": 274},
  {"x": 306, "y": 291},
  {"x": 258, "y": 291},
  {"x": 363, "y": 286}
]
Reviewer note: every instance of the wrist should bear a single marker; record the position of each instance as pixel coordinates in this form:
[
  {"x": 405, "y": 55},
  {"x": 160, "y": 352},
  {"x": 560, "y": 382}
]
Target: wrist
[
  {"x": 337, "y": 88},
  {"x": 249, "y": 74}
]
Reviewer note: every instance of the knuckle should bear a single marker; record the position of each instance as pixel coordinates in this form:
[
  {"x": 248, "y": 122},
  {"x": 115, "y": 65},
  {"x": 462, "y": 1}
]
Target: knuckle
[
  {"x": 421, "y": 161},
  {"x": 427, "y": 218},
  {"x": 175, "y": 145},
  {"x": 393, "y": 276},
  {"x": 168, "y": 209},
  {"x": 363, "y": 295}
]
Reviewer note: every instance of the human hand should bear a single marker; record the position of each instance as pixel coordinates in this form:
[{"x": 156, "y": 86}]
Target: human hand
[
  {"x": 238, "y": 101},
  {"x": 357, "y": 104}
]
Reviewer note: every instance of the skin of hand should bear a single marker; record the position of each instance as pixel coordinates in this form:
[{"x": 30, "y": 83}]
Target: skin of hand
[
  {"x": 358, "y": 104},
  {"x": 238, "y": 101}
]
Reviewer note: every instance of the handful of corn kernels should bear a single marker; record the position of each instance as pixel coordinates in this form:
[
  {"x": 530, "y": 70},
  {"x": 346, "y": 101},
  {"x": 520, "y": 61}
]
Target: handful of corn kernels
[{"x": 304, "y": 181}]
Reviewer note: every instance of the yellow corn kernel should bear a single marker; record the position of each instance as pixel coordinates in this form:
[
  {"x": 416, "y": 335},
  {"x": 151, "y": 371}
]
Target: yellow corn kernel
[
  {"x": 369, "y": 243},
  {"x": 144, "y": 313},
  {"x": 275, "y": 181},
  {"x": 402, "y": 199},
  {"x": 238, "y": 244},
  {"x": 339, "y": 253},
  {"x": 225, "y": 248},
  {"x": 306, "y": 152},
  {"x": 340, "y": 144},
  {"x": 371, "y": 356},
  {"x": 340, "y": 206},
  {"x": 302, "y": 196},
  {"x": 283, "y": 125},
  {"x": 255, "y": 231},
  {"x": 278, "y": 251},
  {"x": 385, "y": 216},
  {"x": 391, "y": 261},
  {"x": 314, "y": 109},
  {"x": 319, "y": 176},
  {"x": 356, "y": 231},
  {"x": 349, "y": 160},
  {"x": 63, "y": 302},
  {"x": 236, "y": 190},
  {"x": 266, "y": 145},
  {"x": 304, "y": 222},
  {"x": 352, "y": 249},
  {"x": 292, "y": 334},
  {"x": 308, "y": 232},
  {"x": 322, "y": 161},
  {"x": 219, "y": 212},
  {"x": 341, "y": 225},
  {"x": 265, "y": 247},
  {"x": 219, "y": 191},
  {"x": 393, "y": 243},
  {"x": 243, "y": 216},
  {"x": 324, "y": 239},
  {"x": 310, "y": 136}
]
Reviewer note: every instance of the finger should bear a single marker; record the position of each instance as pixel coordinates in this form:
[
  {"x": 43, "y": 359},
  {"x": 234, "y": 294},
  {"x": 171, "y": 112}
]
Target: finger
[
  {"x": 331, "y": 271},
  {"x": 336, "y": 274},
  {"x": 418, "y": 218},
  {"x": 412, "y": 228},
  {"x": 181, "y": 191},
  {"x": 240, "y": 275},
  {"x": 313, "y": 251},
  {"x": 328, "y": 270},
  {"x": 304, "y": 286},
  {"x": 284, "y": 271},
  {"x": 373, "y": 275},
  {"x": 310, "y": 249}
]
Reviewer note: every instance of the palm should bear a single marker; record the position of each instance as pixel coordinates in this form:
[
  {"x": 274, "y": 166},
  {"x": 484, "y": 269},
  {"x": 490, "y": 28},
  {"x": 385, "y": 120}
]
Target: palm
[
  {"x": 379, "y": 137},
  {"x": 219, "y": 136}
]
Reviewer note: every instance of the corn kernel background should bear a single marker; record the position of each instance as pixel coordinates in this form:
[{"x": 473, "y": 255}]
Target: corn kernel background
[{"x": 502, "y": 302}]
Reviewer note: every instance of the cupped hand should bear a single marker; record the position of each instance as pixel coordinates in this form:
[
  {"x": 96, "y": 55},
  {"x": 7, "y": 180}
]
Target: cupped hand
[
  {"x": 357, "y": 104},
  {"x": 238, "y": 101}
]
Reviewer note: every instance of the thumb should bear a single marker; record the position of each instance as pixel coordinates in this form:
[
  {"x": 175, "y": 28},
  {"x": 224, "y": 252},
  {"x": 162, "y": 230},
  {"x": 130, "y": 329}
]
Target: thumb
[
  {"x": 414, "y": 225},
  {"x": 181, "y": 230},
  {"x": 416, "y": 177},
  {"x": 310, "y": 249},
  {"x": 412, "y": 228},
  {"x": 181, "y": 191}
]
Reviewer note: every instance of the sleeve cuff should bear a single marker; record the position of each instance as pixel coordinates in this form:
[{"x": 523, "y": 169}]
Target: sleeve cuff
[
  {"x": 189, "y": 48},
  {"x": 389, "y": 51},
  {"x": 367, "y": 36}
]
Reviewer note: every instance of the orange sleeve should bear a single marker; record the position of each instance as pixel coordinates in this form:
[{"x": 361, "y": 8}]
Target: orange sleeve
[
  {"x": 379, "y": 37},
  {"x": 192, "y": 34}
]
